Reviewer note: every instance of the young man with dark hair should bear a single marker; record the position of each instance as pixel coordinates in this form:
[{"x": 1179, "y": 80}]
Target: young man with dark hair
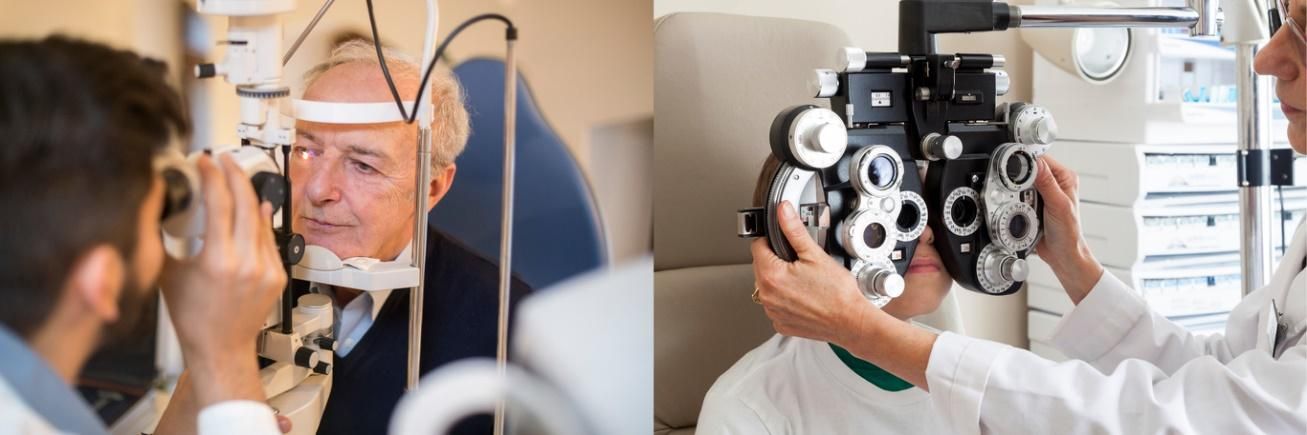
[{"x": 79, "y": 126}]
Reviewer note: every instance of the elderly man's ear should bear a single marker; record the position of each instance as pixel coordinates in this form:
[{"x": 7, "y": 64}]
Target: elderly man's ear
[{"x": 441, "y": 181}]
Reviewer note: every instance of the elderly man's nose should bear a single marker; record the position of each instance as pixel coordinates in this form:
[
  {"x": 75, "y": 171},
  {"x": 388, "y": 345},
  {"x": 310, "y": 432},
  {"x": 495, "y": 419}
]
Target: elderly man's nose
[{"x": 322, "y": 186}]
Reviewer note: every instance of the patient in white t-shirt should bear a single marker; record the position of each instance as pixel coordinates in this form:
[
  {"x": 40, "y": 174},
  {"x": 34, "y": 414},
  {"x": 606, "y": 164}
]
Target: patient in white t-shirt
[{"x": 791, "y": 385}]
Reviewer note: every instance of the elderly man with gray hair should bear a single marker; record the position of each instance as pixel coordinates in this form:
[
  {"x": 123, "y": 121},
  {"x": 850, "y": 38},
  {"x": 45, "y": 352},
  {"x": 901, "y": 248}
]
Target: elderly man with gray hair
[{"x": 353, "y": 188}]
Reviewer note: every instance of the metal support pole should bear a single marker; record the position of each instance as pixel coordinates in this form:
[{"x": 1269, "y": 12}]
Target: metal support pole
[
  {"x": 1064, "y": 16},
  {"x": 419, "y": 256},
  {"x": 506, "y": 223},
  {"x": 1256, "y": 251}
]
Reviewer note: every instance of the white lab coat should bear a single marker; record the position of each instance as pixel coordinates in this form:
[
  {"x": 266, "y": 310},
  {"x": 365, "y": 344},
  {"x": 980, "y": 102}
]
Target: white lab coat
[
  {"x": 229, "y": 417},
  {"x": 1134, "y": 371}
]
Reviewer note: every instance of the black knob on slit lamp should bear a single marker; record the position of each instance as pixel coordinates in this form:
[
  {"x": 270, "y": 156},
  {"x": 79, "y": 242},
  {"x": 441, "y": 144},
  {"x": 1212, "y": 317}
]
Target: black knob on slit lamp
[
  {"x": 291, "y": 246},
  {"x": 326, "y": 343},
  {"x": 322, "y": 368},
  {"x": 205, "y": 71},
  {"x": 270, "y": 187},
  {"x": 305, "y": 357}
]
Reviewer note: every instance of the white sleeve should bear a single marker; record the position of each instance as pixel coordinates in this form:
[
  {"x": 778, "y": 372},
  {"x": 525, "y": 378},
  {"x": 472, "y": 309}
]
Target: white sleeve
[
  {"x": 1113, "y": 324},
  {"x": 728, "y": 415},
  {"x": 986, "y": 387},
  {"x": 238, "y": 416}
]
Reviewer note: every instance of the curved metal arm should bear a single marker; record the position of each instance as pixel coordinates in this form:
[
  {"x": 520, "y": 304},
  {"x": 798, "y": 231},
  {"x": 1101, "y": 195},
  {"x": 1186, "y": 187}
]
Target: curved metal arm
[{"x": 1063, "y": 16}]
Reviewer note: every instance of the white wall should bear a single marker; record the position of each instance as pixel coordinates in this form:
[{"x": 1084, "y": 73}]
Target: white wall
[
  {"x": 150, "y": 27},
  {"x": 589, "y": 62},
  {"x": 873, "y": 25}
]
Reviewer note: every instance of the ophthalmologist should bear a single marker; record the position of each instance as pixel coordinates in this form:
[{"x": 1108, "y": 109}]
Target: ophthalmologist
[{"x": 1133, "y": 371}]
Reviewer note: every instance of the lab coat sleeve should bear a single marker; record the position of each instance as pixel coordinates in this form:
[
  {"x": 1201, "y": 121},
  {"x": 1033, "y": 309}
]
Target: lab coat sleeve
[
  {"x": 729, "y": 415},
  {"x": 985, "y": 387},
  {"x": 238, "y": 416},
  {"x": 1113, "y": 324}
]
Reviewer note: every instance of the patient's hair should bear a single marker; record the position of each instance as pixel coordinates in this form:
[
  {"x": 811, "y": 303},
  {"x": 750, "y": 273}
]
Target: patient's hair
[
  {"x": 449, "y": 126},
  {"x": 769, "y": 168},
  {"x": 80, "y": 123}
]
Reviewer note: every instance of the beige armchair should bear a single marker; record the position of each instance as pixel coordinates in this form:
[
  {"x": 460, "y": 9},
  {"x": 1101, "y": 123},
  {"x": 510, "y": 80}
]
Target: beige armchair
[{"x": 719, "y": 81}]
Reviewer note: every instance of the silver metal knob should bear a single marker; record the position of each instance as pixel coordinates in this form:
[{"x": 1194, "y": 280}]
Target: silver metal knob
[
  {"x": 999, "y": 61},
  {"x": 890, "y": 284},
  {"x": 829, "y": 138},
  {"x": 1045, "y": 131},
  {"x": 853, "y": 59},
  {"x": 881, "y": 283},
  {"x": 1014, "y": 269},
  {"x": 1002, "y": 82},
  {"x": 825, "y": 83},
  {"x": 937, "y": 146}
]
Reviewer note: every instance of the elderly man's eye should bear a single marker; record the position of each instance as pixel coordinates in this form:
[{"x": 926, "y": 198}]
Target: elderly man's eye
[
  {"x": 363, "y": 167},
  {"x": 302, "y": 152}
]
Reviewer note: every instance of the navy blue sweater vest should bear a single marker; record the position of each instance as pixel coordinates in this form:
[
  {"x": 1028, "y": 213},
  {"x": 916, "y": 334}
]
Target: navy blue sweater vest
[{"x": 459, "y": 321}]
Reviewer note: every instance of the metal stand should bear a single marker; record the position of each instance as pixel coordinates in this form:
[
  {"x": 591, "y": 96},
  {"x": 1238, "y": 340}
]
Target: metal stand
[
  {"x": 506, "y": 223},
  {"x": 1256, "y": 244},
  {"x": 422, "y": 190}
]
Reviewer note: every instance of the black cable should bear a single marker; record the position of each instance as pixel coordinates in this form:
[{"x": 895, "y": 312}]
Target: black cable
[
  {"x": 376, "y": 41},
  {"x": 510, "y": 34}
]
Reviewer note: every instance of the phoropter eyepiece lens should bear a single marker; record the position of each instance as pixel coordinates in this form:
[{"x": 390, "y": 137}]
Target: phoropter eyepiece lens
[
  {"x": 909, "y": 216},
  {"x": 964, "y": 211},
  {"x": 1018, "y": 167},
  {"x": 874, "y": 236},
  {"x": 882, "y": 172},
  {"x": 1019, "y": 226}
]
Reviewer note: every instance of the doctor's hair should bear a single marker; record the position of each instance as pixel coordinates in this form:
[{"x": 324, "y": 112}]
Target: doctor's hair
[
  {"x": 80, "y": 123},
  {"x": 449, "y": 121}
]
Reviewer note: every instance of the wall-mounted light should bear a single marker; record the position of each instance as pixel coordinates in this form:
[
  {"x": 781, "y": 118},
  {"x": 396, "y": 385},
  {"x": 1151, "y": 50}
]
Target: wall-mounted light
[{"x": 1096, "y": 55}]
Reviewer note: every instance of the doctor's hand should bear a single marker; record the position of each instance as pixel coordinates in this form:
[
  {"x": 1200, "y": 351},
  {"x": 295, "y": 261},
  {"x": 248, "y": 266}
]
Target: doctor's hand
[
  {"x": 814, "y": 297},
  {"x": 219, "y": 299},
  {"x": 1062, "y": 245}
]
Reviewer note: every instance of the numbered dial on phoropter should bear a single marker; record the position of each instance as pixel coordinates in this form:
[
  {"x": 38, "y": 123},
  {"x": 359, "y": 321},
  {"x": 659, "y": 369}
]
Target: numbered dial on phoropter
[
  {"x": 912, "y": 216},
  {"x": 1016, "y": 227},
  {"x": 962, "y": 211},
  {"x": 1032, "y": 125},
  {"x": 809, "y": 137}
]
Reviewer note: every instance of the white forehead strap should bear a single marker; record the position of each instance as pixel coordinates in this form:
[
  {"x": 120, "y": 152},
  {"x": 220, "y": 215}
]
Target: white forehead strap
[{"x": 331, "y": 112}]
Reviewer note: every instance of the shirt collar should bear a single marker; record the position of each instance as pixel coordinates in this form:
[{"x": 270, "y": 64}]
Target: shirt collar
[{"x": 42, "y": 390}]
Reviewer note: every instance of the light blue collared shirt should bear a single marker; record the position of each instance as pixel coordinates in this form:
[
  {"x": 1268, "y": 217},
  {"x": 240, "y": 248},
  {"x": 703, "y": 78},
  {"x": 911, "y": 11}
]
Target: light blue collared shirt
[{"x": 42, "y": 390}]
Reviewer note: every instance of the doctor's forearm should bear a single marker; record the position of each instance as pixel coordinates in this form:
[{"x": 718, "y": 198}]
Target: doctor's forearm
[
  {"x": 890, "y": 343},
  {"x": 1078, "y": 271},
  {"x": 179, "y": 417}
]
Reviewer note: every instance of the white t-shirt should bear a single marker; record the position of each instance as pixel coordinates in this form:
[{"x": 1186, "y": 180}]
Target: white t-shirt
[{"x": 792, "y": 385}]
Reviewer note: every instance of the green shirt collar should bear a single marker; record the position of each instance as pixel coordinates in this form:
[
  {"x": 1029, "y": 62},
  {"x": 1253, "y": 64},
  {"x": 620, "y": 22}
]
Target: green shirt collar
[{"x": 876, "y": 375}]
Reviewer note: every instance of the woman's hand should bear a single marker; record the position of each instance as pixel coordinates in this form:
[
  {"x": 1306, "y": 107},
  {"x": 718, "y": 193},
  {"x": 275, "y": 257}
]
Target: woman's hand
[
  {"x": 813, "y": 297},
  {"x": 1062, "y": 245}
]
